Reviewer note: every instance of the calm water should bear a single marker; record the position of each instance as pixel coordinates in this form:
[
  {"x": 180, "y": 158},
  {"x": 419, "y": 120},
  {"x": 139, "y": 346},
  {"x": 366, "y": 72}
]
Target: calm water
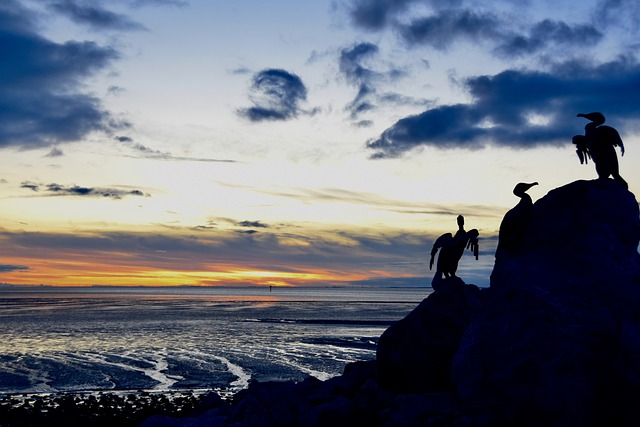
[{"x": 188, "y": 338}]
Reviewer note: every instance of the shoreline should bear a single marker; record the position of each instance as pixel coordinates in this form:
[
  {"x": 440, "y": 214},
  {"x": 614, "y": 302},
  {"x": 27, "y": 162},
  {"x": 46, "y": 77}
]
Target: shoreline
[{"x": 114, "y": 407}]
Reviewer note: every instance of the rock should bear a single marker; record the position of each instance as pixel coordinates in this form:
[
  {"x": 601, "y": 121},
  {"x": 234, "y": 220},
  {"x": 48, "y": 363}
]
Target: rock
[
  {"x": 558, "y": 343},
  {"x": 554, "y": 341},
  {"x": 415, "y": 354}
]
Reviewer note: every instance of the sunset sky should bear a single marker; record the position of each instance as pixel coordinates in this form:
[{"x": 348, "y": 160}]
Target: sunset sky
[{"x": 252, "y": 142}]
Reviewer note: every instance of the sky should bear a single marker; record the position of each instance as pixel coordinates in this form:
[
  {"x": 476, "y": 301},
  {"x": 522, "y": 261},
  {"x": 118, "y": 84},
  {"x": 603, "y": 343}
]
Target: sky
[{"x": 280, "y": 143}]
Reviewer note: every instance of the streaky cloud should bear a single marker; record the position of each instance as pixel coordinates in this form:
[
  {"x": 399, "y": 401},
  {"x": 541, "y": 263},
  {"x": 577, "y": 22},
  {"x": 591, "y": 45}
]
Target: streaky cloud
[
  {"x": 444, "y": 28},
  {"x": 253, "y": 224},
  {"x": 504, "y": 104},
  {"x": 54, "y": 189},
  {"x": 7, "y": 268},
  {"x": 548, "y": 32},
  {"x": 329, "y": 195},
  {"x": 146, "y": 152}
]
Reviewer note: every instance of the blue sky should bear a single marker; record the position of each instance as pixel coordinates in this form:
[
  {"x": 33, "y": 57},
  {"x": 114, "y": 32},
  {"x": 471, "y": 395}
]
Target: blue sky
[{"x": 247, "y": 142}]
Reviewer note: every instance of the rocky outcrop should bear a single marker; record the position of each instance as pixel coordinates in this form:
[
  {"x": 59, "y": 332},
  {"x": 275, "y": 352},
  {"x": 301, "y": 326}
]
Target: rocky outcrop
[
  {"x": 554, "y": 341},
  {"x": 415, "y": 354},
  {"x": 558, "y": 342}
]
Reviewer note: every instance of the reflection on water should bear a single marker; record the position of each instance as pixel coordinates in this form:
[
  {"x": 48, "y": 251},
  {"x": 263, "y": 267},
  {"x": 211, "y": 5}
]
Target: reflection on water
[{"x": 88, "y": 339}]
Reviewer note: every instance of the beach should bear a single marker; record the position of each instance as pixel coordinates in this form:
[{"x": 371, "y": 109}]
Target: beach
[{"x": 136, "y": 349}]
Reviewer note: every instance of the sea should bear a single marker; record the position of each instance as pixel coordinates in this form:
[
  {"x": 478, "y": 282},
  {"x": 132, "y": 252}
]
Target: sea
[{"x": 196, "y": 339}]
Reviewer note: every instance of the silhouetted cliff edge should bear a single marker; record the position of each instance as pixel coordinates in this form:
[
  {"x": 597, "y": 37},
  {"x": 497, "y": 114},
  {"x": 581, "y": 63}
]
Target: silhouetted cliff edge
[{"x": 555, "y": 340}]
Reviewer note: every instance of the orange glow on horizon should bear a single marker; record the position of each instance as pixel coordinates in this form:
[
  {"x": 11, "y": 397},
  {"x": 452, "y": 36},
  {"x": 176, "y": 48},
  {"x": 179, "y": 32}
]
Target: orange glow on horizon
[{"x": 85, "y": 273}]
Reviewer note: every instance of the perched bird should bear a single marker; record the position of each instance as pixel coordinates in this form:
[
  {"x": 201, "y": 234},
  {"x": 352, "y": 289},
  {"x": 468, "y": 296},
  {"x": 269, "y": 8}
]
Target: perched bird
[
  {"x": 599, "y": 143},
  {"x": 514, "y": 223}
]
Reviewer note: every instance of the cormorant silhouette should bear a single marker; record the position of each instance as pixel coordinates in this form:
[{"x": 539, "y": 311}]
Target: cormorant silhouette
[
  {"x": 451, "y": 249},
  {"x": 598, "y": 143},
  {"x": 514, "y": 223}
]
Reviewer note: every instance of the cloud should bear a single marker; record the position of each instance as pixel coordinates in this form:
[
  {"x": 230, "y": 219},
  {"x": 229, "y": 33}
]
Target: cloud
[
  {"x": 94, "y": 16},
  {"x": 548, "y": 32},
  {"x": 150, "y": 153},
  {"x": 441, "y": 24},
  {"x": 520, "y": 108},
  {"x": 76, "y": 190},
  {"x": 276, "y": 96},
  {"x": 253, "y": 224},
  {"x": 339, "y": 195},
  {"x": 42, "y": 101},
  {"x": 353, "y": 67},
  {"x": 340, "y": 252},
  {"x": 376, "y": 14},
  {"x": 177, "y": 3},
  {"x": 442, "y": 29},
  {"x": 55, "y": 152},
  {"x": 7, "y": 268},
  {"x": 621, "y": 14}
]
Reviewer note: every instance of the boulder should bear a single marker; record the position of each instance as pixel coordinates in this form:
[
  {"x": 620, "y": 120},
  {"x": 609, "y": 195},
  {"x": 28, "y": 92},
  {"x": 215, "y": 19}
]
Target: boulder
[{"x": 414, "y": 355}]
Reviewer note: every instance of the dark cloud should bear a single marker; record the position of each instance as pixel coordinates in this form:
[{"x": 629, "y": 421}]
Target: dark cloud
[
  {"x": 55, "y": 152},
  {"x": 41, "y": 84},
  {"x": 442, "y": 24},
  {"x": 520, "y": 109},
  {"x": 376, "y": 14},
  {"x": 30, "y": 185},
  {"x": 547, "y": 33},
  {"x": 353, "y": 67},
  {"x": 8, "y": 268},
  {"x": 249, "y": 232},
  {"x": 253, "y": 224},
  {"x": 351, "y": 62},
  {"x": 441, "y": 30},
  {"x": 276, "y": 95},
  {"x": 444, "y": 28},
  {"x": 94, "y": 16},
  {"x": 76, "y": 190},
  {"x": 124, "y": 139}
]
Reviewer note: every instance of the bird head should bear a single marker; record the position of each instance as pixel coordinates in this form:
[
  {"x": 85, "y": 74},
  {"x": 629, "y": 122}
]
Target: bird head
[
  {"x": 595, "y": 117},
  {"x": 521, "y": 188}
]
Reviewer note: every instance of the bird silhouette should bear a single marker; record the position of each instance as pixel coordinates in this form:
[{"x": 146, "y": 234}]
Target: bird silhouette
[{"x": 514, "y": 223}]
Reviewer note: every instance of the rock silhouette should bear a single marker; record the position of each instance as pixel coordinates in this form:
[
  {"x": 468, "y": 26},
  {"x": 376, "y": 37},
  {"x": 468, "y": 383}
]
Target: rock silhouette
[
  {"x": 598, "y": 143},
  {"x": 554, "y": 341}
]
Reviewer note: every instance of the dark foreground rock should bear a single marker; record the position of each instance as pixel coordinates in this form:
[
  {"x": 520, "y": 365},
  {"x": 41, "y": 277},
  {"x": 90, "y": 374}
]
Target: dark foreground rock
[
  {"x": 558, "y": 342},
  {"x": 555, "y": 340},
  {"x": 415, "y": 354},
  {"x": 99, "y": 409}
]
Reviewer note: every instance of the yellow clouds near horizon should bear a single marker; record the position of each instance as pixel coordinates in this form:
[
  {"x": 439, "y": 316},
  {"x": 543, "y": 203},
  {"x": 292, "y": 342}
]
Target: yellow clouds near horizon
[{"x": 244, "y": 256}]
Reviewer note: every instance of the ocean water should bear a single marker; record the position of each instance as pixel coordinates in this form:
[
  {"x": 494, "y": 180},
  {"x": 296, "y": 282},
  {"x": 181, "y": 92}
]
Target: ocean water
[{"x": 129, "y": 339}]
